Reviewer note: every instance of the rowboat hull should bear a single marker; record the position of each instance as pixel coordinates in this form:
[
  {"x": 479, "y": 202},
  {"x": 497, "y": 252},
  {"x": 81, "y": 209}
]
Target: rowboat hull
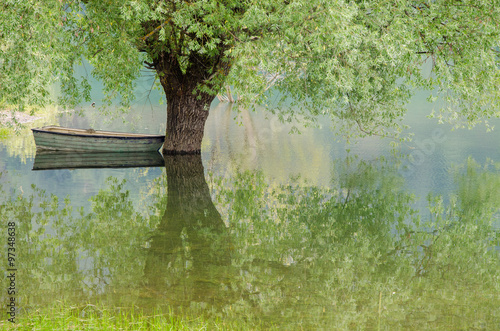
[{"x": 79, "y": 140}]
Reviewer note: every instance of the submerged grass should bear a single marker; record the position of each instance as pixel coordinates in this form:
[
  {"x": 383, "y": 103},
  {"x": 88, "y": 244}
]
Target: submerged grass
[
  {"x": 428, "y": 310},
  {"x": 92, "y": 317}
]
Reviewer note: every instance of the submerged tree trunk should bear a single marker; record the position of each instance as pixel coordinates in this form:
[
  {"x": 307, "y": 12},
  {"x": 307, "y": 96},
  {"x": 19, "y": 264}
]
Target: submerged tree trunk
[
  {"x": 186, "y": 117},
  {"x": 187, "y": 113},
  {"x": 187, "y": 104}
]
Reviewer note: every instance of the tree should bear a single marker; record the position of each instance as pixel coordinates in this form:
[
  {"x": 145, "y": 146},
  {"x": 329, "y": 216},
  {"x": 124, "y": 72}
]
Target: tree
[{"x": 357, "y": 61}]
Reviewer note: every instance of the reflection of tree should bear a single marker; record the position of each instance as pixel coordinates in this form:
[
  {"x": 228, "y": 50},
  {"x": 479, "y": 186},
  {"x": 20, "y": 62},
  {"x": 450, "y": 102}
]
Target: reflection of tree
[
  {"x": 188, "y": 248},
  {"x": 349, "y": 255},
  {"x": 305, "y": 249}
]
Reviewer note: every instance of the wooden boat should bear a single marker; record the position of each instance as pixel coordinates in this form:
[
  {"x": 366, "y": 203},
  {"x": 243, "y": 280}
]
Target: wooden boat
[
  {"x": 80, "y": 140},
  {"x": 52, "y": 160}
]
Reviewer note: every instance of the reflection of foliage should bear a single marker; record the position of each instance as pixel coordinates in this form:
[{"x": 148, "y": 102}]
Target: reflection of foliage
[
  {"x": 469, "y": 221},
  {"x": 454, "y": 256},
  {"x": 114, "y": 232},
  {"x": 43, "y": 259},
  {"x": 308, "y": 250},
  {"x": 332, "y": 256},
  {"x": 77, "y": 254},
  {"x": 479, "y": 191},
  {"x": 352, "y": 254},
  {"x": 369, "y": 199}
]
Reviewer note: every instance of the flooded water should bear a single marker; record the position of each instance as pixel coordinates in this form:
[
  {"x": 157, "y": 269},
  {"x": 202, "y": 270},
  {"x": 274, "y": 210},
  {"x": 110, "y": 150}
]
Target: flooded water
[{"x": 295, "y": 231}]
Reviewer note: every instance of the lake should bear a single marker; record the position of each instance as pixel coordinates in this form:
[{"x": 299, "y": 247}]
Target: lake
[{"x": 291, "y": 231}]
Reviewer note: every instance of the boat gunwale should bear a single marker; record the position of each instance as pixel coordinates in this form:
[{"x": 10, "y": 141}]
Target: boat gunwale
[{"x": 98, "y": 134}]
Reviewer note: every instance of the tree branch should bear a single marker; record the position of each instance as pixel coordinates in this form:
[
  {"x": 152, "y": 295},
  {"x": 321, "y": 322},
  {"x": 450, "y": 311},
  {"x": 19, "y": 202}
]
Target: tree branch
[{"x": 156, "y": 30}]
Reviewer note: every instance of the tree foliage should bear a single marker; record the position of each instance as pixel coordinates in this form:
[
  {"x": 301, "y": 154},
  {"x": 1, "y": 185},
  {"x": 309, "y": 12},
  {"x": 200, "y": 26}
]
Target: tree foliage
[{"x": 358, "y": 61}]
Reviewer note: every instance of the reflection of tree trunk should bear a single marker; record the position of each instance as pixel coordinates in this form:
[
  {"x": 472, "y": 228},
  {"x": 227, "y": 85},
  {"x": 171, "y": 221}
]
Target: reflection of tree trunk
[
  {"x": 227, "y": 121},
  {"x": 250, "y": 137},
  {"x": 218, "y": 126},
  {"x": 189, "y": 250}
]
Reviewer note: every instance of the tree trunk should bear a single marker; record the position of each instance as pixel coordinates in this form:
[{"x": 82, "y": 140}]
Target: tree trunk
[
  {"x": 186, "y": 117},
  {"x": 187, "y": 105}
]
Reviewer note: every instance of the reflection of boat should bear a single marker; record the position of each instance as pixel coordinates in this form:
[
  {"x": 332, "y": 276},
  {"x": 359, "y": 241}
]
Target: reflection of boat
[
  {"x": 68, "y": 139},
  {"x": 46, "y": 160}
]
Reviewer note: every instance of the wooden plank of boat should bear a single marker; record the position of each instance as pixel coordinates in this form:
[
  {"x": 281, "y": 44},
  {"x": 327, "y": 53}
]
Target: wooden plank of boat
[
  {"x": 52, "y": 160},
  {"x": 80, "y": 140}
]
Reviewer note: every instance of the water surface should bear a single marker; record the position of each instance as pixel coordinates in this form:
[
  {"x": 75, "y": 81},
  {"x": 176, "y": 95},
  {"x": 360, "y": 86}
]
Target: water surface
[{"x": 293, "y": 231}]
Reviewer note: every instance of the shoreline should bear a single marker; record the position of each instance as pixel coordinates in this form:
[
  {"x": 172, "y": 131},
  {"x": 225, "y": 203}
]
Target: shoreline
[{"x": 16, "y": 117}]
